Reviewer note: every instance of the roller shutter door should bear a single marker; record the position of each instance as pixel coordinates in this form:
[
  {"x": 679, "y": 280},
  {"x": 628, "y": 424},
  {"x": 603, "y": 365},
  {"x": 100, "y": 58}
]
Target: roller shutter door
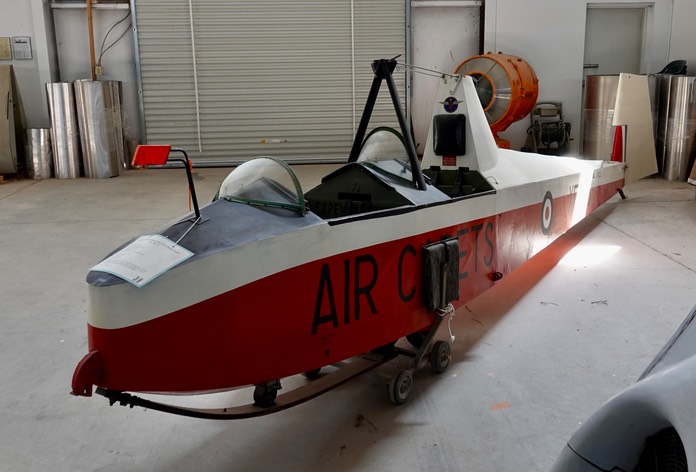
[{"x": 281, "y": 78}]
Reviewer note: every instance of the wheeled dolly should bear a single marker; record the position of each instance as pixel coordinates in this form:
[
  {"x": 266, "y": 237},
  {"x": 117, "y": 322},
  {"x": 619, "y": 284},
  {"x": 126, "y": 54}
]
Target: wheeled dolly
[
  {"x": 266, "y": 397},
  {"x": 441, "y": 286},
  {"x": 437, "y": 354}
]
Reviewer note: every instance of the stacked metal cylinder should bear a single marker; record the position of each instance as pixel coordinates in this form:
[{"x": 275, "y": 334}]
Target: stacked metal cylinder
[
  {"x": 675, "y": 145},
  {"x": 39, "y": 155},
  {"x": 673, "y": 101},
  {"x": 65, "y": 132},
  {"x": 598, "y": 115},
  {"x": 86, "y": 128}
]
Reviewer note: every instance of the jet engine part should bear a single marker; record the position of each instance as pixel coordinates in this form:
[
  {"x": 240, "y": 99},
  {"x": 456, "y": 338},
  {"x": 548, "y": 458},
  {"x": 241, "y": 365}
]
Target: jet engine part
[{"x": 507, "y": 87}]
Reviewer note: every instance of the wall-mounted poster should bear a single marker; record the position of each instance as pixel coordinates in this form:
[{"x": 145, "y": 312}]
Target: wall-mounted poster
[
  {"x": 5, "y": 49},
  {"x": 21, "y": 45}
]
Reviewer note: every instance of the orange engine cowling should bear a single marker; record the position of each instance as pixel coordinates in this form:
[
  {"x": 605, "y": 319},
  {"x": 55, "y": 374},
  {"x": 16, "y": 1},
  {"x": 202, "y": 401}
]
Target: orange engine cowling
[{"x": 507, "y": 87}]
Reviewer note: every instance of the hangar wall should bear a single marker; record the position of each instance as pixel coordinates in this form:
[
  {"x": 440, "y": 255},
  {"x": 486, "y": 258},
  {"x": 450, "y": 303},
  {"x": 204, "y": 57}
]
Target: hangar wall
[
  {"x": 60, "y": 54},
  {"x": 551, "y": 37},
  {"x": 552, "y": 42},
  {"x": 118, "y": 63},
  {"x": 228, "y": 81},
  {"x": 31, "y": 18},
  {"x": 442, "y": 36},
  {"x": 683, "y": 33}
]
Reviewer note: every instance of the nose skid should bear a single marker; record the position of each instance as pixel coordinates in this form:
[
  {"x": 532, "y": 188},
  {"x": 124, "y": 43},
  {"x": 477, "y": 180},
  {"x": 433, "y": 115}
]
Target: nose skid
[{"x": 89, "y": 372}]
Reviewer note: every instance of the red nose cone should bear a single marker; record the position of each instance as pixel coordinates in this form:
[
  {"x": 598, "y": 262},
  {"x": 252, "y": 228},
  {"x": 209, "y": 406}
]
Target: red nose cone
[{"x": 88, "y": 372}]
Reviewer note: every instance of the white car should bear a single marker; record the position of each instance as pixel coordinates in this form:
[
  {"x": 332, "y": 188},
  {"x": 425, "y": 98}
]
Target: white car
[{"x": 650, "y": 426}]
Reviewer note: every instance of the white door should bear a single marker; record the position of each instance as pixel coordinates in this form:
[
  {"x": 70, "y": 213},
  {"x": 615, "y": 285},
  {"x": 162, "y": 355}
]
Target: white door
[
  {"x": 613, "y": 44},
  {"x": 613, "y": 40}
]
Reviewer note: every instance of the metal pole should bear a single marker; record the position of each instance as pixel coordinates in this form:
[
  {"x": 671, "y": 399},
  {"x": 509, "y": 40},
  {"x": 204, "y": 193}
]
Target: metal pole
[
  {"x": 195, "y": 77},
  {"x": 418, "y": 179},
  {"x": 90, "y": 30},
  {"x": 365, "y": 120},
  {"x": 187, "y": 164}
]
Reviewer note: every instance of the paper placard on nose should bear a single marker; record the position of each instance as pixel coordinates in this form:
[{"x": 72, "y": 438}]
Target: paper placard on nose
[
  {"x": 144, "y": 259},
  {"x": 633, "y": 110}
]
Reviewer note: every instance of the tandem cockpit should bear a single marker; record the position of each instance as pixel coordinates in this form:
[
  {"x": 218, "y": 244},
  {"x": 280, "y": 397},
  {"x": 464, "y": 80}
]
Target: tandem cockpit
[
  {"x": 383, "y": 175},
  {"x": 380, "y": 181},
  {"x": 262, "y": 198}
]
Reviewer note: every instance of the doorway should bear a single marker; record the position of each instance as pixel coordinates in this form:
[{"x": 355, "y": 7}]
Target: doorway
[
  {"x": 613, "y": 44},
  {"x": 614, "y": 40}
]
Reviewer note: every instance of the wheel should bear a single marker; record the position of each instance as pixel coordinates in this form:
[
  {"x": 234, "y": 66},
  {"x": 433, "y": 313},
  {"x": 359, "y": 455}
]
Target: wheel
[
  {"x": 312, "y": 374},
  {"x": 264, "y": 396},
  {"x": 417, "y": 339},
  {"x": 400, "y": 386},
  {"x": 663, "y": 452},
  {"x": 440, "y": 356}
]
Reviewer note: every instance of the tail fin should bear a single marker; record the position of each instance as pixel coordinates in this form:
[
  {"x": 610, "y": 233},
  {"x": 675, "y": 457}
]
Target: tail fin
[
  {"x": 633, "y": 110},
  {"x": 459, "y": 142}
]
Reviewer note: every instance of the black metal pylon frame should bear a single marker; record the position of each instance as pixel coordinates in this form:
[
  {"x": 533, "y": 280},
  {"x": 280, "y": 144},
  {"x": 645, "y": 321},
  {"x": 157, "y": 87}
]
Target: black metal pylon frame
[{"x": 383, "y": 69}]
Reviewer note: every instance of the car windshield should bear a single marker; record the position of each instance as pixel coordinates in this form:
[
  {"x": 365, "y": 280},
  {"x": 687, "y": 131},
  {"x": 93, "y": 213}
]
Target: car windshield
[
  {"x": 264, "y": 181},
  {"x": 384, "y": 151}
]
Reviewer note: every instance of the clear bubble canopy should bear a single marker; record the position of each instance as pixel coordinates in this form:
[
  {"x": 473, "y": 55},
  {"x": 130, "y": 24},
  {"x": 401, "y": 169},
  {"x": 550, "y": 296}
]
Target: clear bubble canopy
[{"x": 264, "y": 181}]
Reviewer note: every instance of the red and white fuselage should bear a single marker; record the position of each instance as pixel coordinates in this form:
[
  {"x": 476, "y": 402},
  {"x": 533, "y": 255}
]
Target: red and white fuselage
[{"x": 276, "y": 295}]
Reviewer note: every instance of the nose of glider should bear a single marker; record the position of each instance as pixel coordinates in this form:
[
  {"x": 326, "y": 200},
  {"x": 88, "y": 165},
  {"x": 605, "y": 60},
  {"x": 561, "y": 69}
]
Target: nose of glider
[{"x": 89, "y": 372}]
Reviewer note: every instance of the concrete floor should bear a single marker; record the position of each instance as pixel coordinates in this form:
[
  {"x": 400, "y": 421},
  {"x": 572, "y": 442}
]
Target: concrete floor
[{"x": 533, "y": 357}]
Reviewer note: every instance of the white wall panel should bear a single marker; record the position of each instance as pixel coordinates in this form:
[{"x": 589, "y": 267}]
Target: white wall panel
[
  {"x": 443, "y": 36},
  {"x": 550, "y": 35}
]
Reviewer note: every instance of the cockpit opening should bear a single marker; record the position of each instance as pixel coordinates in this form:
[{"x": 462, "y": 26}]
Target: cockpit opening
[{"x": 382, "y": 178}]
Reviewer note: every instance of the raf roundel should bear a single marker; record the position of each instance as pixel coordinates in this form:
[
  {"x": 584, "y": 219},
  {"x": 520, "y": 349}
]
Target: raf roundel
[{"x": 547, "y": 213}]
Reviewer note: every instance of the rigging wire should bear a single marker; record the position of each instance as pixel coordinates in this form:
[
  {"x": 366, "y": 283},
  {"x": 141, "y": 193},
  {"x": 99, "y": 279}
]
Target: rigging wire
[{"x": 426, "y": 71}]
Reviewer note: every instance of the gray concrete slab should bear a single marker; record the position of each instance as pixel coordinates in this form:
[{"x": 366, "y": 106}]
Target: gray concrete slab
[{"x": 533, "y": 356}]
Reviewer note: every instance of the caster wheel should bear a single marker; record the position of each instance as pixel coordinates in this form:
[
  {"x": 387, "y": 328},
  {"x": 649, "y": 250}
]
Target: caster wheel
[
  {"x": 312, "y": 374},
  {"x": 400, "y": 386},
  {"x": 416, "y": 339},
  {"x": 264, "y": 396},
  {"x": 440, "y": 356}
]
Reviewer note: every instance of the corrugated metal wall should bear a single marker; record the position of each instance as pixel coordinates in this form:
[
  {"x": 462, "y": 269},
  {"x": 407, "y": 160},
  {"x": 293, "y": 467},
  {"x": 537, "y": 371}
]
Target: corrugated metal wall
[{"x": 267, "y": 77}]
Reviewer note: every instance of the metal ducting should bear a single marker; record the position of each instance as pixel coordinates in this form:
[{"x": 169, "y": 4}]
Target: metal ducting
[
  {"x": 679, "y": 124},
  {"x": 65, "y": 135},
  {"x": 598, "y": 114},
  {"x": 101, "y": 127},
  {"x": 39, "y": 156}
]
